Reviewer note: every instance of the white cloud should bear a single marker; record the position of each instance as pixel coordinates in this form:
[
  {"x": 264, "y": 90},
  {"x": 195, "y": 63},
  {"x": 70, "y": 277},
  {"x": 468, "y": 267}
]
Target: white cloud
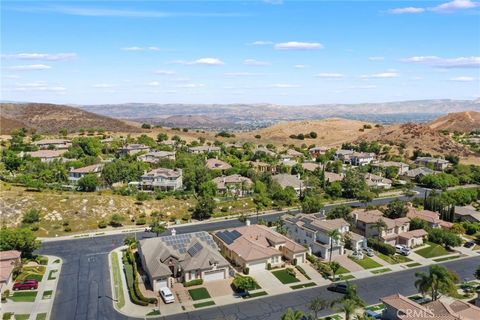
[
  {"x": 104, "y": 85},
  {"x": 369, "y": 86},
  {"x": 434, "y": 61},
  {"x": 376, "y": 58},
  {"x": 388, "y": 74},
  {"x": 191, "y": 85},
  {"x": 30, "y": 67},
  {"x": 154, "y": 49},
  {"x": 37, "y": 86},
  {"x": 463, "y": 79},
  {"x": 135, "y": 48},
  {"x": 329, "y": 75},
  {"x": 296, "y": 45},
  {"x": 243, "y": 74},
  {"x": 201, "y": 61},
  {"x": 164, "y": 72},
  {"x": 284, "y": 85},
  {"x": 455, "y": 5},
  {"x": 300, "y": 66},
  {"x": 153, "y": 84},
  {"x": 253, "y": 62},
  {"x": 41, "y": 56},
  {"x": 261, "y": 43},
  {"x": 406, "y": 10}
]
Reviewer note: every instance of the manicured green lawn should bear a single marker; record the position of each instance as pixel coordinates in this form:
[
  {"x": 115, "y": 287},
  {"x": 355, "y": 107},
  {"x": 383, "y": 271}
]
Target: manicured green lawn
[
  {"x": 305, "y": 285},
  {"x": 47, "y": 294},
  {"x": 345, "y": 277},
  {"x": 393, "y": 259},
  {"x": 117, "y": 280},
  {"x": 41, "y": 316},
  {"x": 23, "y": 296},
  {"x": 284, "y": 276},
  {"x": 383, "y": 270},
  {"x": 199, "y": 294},
  {"x": 448, "y": 258},
  {"x": 367, "y": 263},
  {"x": 256, "y": 294},
  {"x": 433, "y": 250},
  {"x": 342, "y": 270},
  {"x": 204, "y": 304},
  {"x": 22, "y": 316},
  {"x": 415, "y": 264}
]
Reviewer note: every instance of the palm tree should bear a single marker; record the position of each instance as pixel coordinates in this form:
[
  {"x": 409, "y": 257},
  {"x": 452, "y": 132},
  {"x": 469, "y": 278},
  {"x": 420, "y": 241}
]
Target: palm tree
[
  {"x": 334, "y": 235},
  {"x": 334, "y": 266},
  {"x": 363, "y": 317},
  {"x": 380, "y": 225},
  {"x": 438, "y": 280},
  {"x": 316, "y": 305},
  {"x": 292, "y": 314},
  {"x": 348, "y": 306}
]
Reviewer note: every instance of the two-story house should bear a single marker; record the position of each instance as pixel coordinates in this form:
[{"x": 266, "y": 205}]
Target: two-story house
[
  {"x": 438, "y": 164},
  {"x": 313, "y": 230},
  {"x": 52, "y": 144},
  {"x": 163, "y": 179},
  {"x": 76, "y": 174},
  {"x": 204, "y": 149},
  {"x": 132, "y": 149},
  {"x": 432, "y": 218},
  {"x": 317, "y": 151},
  {"x": 157, "y": 156},
  {"x": 377, "y": 182},
  {"x": 234, "y": 184},
  {"x": 401, "y": 167}
]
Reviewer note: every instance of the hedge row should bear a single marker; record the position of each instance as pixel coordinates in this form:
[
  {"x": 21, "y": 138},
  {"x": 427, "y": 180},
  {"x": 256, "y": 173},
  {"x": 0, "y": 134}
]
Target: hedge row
[
  {"x": 381, "y": 247},
  {"x": 194, "y": 282},
  {"x": 302, "y": 271},
  {"x": 129, "y": 260}
]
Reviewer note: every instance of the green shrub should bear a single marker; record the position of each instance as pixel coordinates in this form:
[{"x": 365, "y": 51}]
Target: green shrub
[
  {"x": 131, "y": 273},
  {"x": 42, "y": 260},
  {"x": 5, "y": 295},
  {"x": 302, "y": 271},
  {"x": 140, "y": 221},
  {"x": 294, "y": 262},
  {"x": 194, "y": 282},
  {"x": 102, "y": 224},
  {"x": 311, "y": 258},
  {"x": 246, "y": 270},
  {"x": 381, "y": 247},
  {"x": 269, "y": 266},
  {"x": 291, "y": 272}
]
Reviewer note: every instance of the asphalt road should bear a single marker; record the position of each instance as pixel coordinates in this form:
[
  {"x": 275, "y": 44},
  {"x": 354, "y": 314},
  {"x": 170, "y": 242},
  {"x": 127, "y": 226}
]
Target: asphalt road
[{"x": 84, "y": 290}]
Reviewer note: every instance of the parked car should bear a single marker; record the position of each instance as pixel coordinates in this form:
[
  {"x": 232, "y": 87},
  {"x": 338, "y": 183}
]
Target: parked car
[
  {"x": 357, "y": 255},
  {"x": 373, "y": 314},
  {"x": 369, "y": 252},
  {"x": 167, "y": 295},
  {"x": 26, "y": 285},
  {"x": 403, "y": 250},
  {"x": 469, "y": 244},
  {"x": 338, "y": 287}
]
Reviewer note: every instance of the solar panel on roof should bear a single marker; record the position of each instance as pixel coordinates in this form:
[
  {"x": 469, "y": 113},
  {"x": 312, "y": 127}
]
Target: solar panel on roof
[{"x": 196, "y": 248}]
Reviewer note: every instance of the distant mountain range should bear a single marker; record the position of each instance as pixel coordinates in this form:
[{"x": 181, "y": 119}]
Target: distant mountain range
[{"x": 258, "y": 115}]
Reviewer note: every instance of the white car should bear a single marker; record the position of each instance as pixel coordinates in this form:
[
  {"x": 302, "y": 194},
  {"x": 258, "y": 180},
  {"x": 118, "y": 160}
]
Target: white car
[
  {"x": 357, "y": 255},
  {"x": 403, "y": 250},
  {"x": 167, "y": 295}
]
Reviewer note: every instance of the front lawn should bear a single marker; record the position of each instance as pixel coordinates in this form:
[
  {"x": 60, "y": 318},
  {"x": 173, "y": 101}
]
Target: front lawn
[
  {"x": 345, "y": 277},
  {"x": 393, "y": 259},
  {"x": 284, "y": 276},
  {"x": 342, "y": 270},
  {"x": 367, "y": 263},
  {"x": 433, "y": 250},
  {"x": 204, "y": 304},
  {"x": 448, "y": 258},
  {"x": 22, "y": 316},
  {"x": 199, "y": 294},
  {"x": 23, "y": 296}
]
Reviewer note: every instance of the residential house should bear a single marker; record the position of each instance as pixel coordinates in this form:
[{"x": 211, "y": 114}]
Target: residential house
[
  {"x": 289, "y": 180},
  {"x": 256, "y": 247},
  {"x": 234, "y": 184},
  {"x": 419, "y": 172},
  {"x": 436, "y": 163},
  {"x": 366, "y": 224},
  {"x": 216, "y": 164},
  {"x": 287, "y": 160},
  {"x": 47, "y": 155},
  {"x": 163, "y": 179},
  {"x": 262, "y": 167},
  {"x": 377, "y": 182},
  {"x": 132, "y": 149},
  {"x": 332, "y": 176},
  {"x": 317, "y": 151},
  {"x": 401, "y": 167},
  {"x": 8, "y": 260},
  {"x": 204, "y": 149},
  {"x": 76, "y": 174},
  {"x": 294, "y": 153},
  {"x": 52, "y": 144},
  {"x": 467, "y": 213},
  {"x": 360, "y": 158},
  {"x": 265, "y": 151},
  {"x": 413, "y": 238},
  {"x": 399, "y": 307},
  {"x": 313, "y": 229},
  {"x": 312, "y": 166},
  {"x": 157, "y": 156},
  {"x": 433, "y": 218},
  {"x": 342, "y": 154},
  {"x": 182, "y": 258}
]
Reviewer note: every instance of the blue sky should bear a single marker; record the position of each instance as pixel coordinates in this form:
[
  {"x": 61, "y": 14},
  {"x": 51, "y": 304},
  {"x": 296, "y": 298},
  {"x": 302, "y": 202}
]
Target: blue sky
[{"x": 283, "y": 52}]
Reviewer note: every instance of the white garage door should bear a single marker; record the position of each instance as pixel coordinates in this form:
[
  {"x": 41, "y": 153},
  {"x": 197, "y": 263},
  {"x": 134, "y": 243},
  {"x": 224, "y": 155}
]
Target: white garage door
[
  {"x": 160, "y": 283},
  {"x": 214, "y": 275},
  {"x": 257, "y": 266},
  {"x": 300, "y": 259}
]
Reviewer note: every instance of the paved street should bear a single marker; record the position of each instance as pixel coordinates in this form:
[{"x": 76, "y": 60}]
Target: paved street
[{"x": 84, "y": 290}]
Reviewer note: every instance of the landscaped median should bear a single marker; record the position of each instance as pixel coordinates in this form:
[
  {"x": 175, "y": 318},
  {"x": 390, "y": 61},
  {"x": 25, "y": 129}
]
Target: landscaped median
[{"x": 117, "y": 280}]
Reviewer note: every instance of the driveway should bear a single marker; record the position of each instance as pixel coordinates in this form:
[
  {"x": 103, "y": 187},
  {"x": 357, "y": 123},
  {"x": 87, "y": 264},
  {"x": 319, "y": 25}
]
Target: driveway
[{"x": 347, "y": 263}]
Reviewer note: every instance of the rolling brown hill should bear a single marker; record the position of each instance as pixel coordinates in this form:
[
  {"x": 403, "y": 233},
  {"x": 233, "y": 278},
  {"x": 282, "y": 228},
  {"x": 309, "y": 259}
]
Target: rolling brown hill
[
  {"x": 416, "y": 136},
  {"x": 458, "y": 121},
  {"x": 330, "y": 132},
  {"x": 51, "y": 118}
]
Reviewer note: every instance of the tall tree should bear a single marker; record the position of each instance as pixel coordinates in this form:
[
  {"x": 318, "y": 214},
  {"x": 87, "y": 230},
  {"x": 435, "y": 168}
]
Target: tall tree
[
  {"x": 316, "y": 305},
  {"x": 292, "y": 314},
  {"x": 438, "y": 280},
  {"x": 335, "y": 236}
]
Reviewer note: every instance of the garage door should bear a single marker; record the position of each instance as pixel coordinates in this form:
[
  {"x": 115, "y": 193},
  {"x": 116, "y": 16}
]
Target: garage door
[
  {"x": 160, "y": 283},
  {"x": 300, "y": 259},
  {"x": 214, "y": 275},
  {"x": 257, "y": 266}
]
